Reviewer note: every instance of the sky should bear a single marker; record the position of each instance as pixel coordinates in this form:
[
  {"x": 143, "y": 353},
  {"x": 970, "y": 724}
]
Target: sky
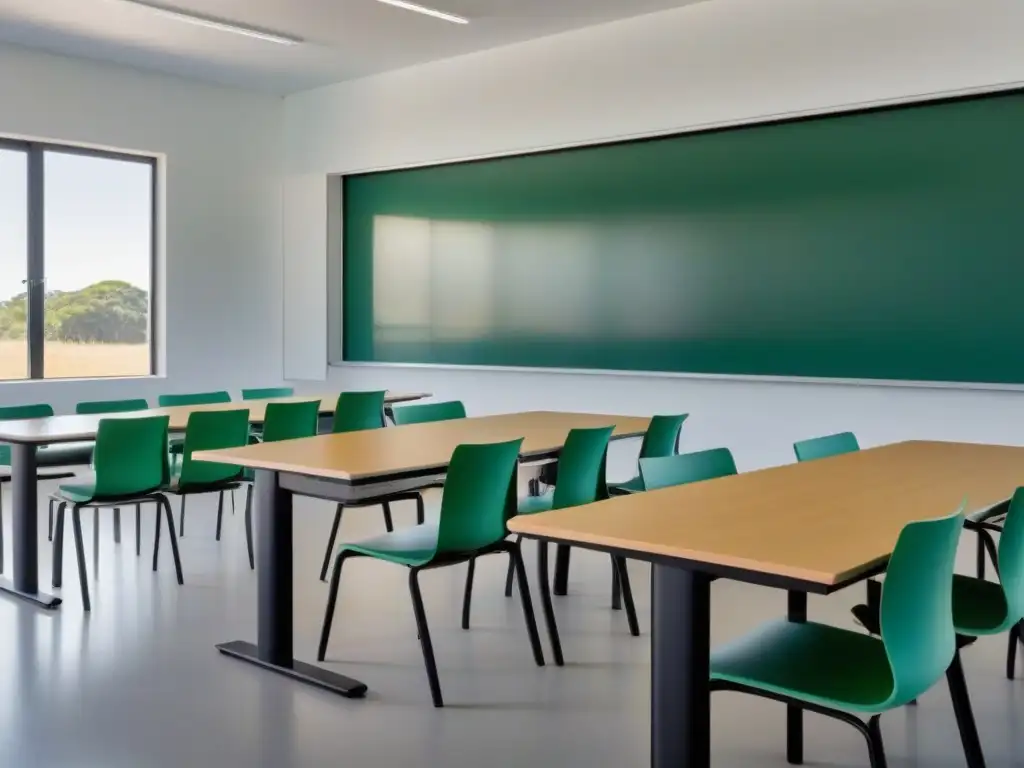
[{"x": 97, "y": 218}]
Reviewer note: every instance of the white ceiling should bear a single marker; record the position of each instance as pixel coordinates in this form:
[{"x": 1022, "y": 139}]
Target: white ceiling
[{"x": 346, "y": 38}]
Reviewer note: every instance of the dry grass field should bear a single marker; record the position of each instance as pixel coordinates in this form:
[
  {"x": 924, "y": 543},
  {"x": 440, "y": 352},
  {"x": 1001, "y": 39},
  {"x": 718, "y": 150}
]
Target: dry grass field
[{"x": 76, "y": 361}]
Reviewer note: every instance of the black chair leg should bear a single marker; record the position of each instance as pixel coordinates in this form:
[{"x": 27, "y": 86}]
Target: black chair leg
[
  {"x": 156, "y": 538},
  {"x": 49, "y": 535},
  {"x": 117, "y": 525},
  {"x": 964, "y": 714},
  {"x": 511, "y": 571},
  {"x": 83, "y": 576},
  {"x": 181, "y": 517},
  {"x": 389, "y": 523},
  {"x": 981, "y": 558},
  {"x": 220, "y": 512},
  {"x": 58, "y": 548},
  {"x": 562, "y": 554},
  {"x": 516, "y": 556},
  {"x": 330, "y": 541},
  {"x": 876, "y": 749},
  {"x": 174, "y": 539},
  {"x": 421, "y": 510},
  {"x": 424, "y": 633},
  {"x": 549, "y": 609},
  {"x": 248, "y": 527},
  {"x": 467, "y": 597},
  {"x": 616, "y": 587},
  {"x": 1011, "y": 651},
  {"x": 619, "y": 563},
  {"x": 138, "y": 530},
  {"x": 232, "y": 501},
  {"x": 332, "y": 598}
]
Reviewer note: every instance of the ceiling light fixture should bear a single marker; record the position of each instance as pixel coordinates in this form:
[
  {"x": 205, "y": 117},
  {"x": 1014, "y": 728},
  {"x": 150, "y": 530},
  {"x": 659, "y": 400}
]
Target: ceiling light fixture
[
  {"x": 213, "y": 23},
  {"x": 426, "y": 11}
]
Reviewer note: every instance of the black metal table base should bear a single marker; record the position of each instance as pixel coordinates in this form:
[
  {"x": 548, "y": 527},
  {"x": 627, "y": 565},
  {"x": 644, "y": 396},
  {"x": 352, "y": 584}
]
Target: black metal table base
[
  {"x": 298, "y": 670},
  {"x": 41, "y": 599}
]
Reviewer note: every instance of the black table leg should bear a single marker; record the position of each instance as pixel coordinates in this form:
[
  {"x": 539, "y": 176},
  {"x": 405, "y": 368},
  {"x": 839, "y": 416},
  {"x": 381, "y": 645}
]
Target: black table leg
[
  {"x": 680, "y": 659},
  {"x": 561, "y": 581},
  {"x": 273, "y": 649},
  {"x": 25, "y": 584},
  {"x": 795, "y": 715}
]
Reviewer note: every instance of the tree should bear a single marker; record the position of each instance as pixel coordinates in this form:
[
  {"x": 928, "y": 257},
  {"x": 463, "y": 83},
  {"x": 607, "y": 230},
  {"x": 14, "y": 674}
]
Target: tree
[{"x": 108, "y": 312}]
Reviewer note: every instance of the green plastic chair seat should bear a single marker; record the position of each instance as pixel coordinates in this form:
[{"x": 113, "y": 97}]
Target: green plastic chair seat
[
  {"x": 633, "y": 485},
  {"x": 81, "y": 490},
  {"x": 531, "y": 505},
  {"x": 413, "y": 546},
  {"x": 827, "y": 666},
  {"x": 979, "y": 607}
]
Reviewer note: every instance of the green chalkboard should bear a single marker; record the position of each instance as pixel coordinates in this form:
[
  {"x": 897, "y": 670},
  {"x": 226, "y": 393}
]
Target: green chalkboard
[{"x": 884, "y": 244}]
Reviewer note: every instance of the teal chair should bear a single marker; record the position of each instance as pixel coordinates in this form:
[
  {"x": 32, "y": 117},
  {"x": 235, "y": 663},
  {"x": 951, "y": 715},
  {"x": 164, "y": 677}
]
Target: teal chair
[
  {"x": 354, "y": 412},
  {"x": 282, "y": 421},
  {"x": 823, "y": 447},
  {"x": 130, "y": 466},
  {"x": 91, "y": 407},
  {"x": 660, "y": 440},
  {"x": 429, "y": 412},
  {"x": 847, "y": 675},
  {"x": 267, "y": 393},
  {"x": 479, "y": 498},
  {"x": 189, "y": 398},
  {"x": 580, "y": 480},
  {"x": 667, "y": 471},
  {"x": 207, "y": 431}
]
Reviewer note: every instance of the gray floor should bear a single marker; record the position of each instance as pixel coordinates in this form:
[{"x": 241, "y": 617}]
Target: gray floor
[{"x": 137, "y": 684}]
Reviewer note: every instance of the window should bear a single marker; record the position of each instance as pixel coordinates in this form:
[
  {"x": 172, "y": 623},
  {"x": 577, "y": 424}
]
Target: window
[{"x": 77, "y": 254}]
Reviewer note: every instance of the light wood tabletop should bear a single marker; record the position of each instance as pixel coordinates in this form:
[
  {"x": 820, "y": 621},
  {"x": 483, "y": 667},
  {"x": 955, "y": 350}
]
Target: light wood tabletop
[
  {"x": 69, "y": 428},
  {"x": 381, "y": 453},
  {"x": 824, "y": 522}
]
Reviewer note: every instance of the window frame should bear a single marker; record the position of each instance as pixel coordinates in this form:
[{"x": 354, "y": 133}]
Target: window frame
[{"x": 35, "y": 283}]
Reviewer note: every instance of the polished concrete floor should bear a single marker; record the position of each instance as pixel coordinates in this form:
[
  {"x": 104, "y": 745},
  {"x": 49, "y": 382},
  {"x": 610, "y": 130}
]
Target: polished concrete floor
[{"x": 138, "y": 684}]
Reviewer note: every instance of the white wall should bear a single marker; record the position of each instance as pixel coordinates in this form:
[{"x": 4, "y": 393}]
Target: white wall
[
  {"x": 221, "y": 292},
  {"x": 720, "y": 62}
]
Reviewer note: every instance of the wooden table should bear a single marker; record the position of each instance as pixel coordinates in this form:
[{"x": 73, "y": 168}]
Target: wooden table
[
  {"x": 355, "y": 466},
  {"x": 812, "y": 527},
  {"x": 26, "y": 435}
]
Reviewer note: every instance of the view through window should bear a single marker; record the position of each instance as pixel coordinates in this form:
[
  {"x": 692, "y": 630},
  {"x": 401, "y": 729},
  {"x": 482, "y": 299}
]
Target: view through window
[{"x": 76, "y": 263}]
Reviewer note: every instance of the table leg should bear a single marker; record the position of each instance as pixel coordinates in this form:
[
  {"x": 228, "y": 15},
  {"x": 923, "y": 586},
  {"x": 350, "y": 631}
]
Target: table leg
[
  {"x": 680, "y": 659},
  {"x": 273, "y": 648},
  {"x": 794, "y": 715},
  {"x": 24, "y": 518}
]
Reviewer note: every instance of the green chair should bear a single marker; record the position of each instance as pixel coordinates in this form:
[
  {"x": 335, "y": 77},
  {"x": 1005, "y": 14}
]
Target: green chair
[
  {"x": 191, "y": 398},
  {"x": 267, "y": 393},
  {"x": 684, "y": 468},
  {"x": 661, "y": 439},
  {"x": 357, "y": 411},
  {"x": 130, "y": 466},
  {"x": 91, "y": 407},
  {"x": 479, "y": 498},
  {"x": 282, "y": 421},
  {"x": 421, "y": 414},
  {"x": 580, "y": 480},
  {"x": 841, "y": 673},
  {"x": 206, "y": 431},
  {"x": 823, "y": 447}
]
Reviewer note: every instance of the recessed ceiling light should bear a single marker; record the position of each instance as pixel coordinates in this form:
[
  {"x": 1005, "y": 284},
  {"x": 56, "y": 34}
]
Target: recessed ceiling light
[
  {"x": 426, "y": 11},
  {"x": 213, "y": 23}
]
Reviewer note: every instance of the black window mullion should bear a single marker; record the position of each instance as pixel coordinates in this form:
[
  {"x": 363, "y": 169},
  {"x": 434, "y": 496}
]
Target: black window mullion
[{"x": 36, "y": 286}]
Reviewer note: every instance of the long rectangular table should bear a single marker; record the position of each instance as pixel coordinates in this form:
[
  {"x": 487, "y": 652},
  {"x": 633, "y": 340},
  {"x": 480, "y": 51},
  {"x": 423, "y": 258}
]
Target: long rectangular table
[
  {"x": 814, "y": 527},
  {"x": 26, "y": 435},
  {"x": 355, "y": 466}
]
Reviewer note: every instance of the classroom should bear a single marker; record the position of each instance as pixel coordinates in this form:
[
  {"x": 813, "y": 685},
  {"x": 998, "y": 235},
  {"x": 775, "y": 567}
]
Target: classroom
[{"x": 510, "y": 382}]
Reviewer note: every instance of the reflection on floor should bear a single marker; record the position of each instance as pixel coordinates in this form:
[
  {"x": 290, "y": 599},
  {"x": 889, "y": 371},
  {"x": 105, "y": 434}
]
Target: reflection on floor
[{"x": 137, "y": 684}]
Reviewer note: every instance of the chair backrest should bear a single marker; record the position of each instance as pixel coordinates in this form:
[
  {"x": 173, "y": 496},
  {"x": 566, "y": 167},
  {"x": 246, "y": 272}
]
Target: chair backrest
[
  {"x": 130, "y": 457},
  {"x": 580, "y": 476},
  {"x": 421, "y": 414},
  {"x": 16, "y": 412},
  {"x": 111, "y": 406},
  {"x": 685, "y": 468},
  {"x": 208, "y": 430},
  {"x": 290, "y": 421},
  {"x": 917, "y": 605},
  {"x": 479, "y": 496},
  {"x": 359, "y": 410},
  {"x": 267, "y": 393},
  {"x": 662, "y": 436},
  {"x": 194, "y": 398},
  {"x": 1011, "y": 558},
  {"x": 823, "y": 447}
]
